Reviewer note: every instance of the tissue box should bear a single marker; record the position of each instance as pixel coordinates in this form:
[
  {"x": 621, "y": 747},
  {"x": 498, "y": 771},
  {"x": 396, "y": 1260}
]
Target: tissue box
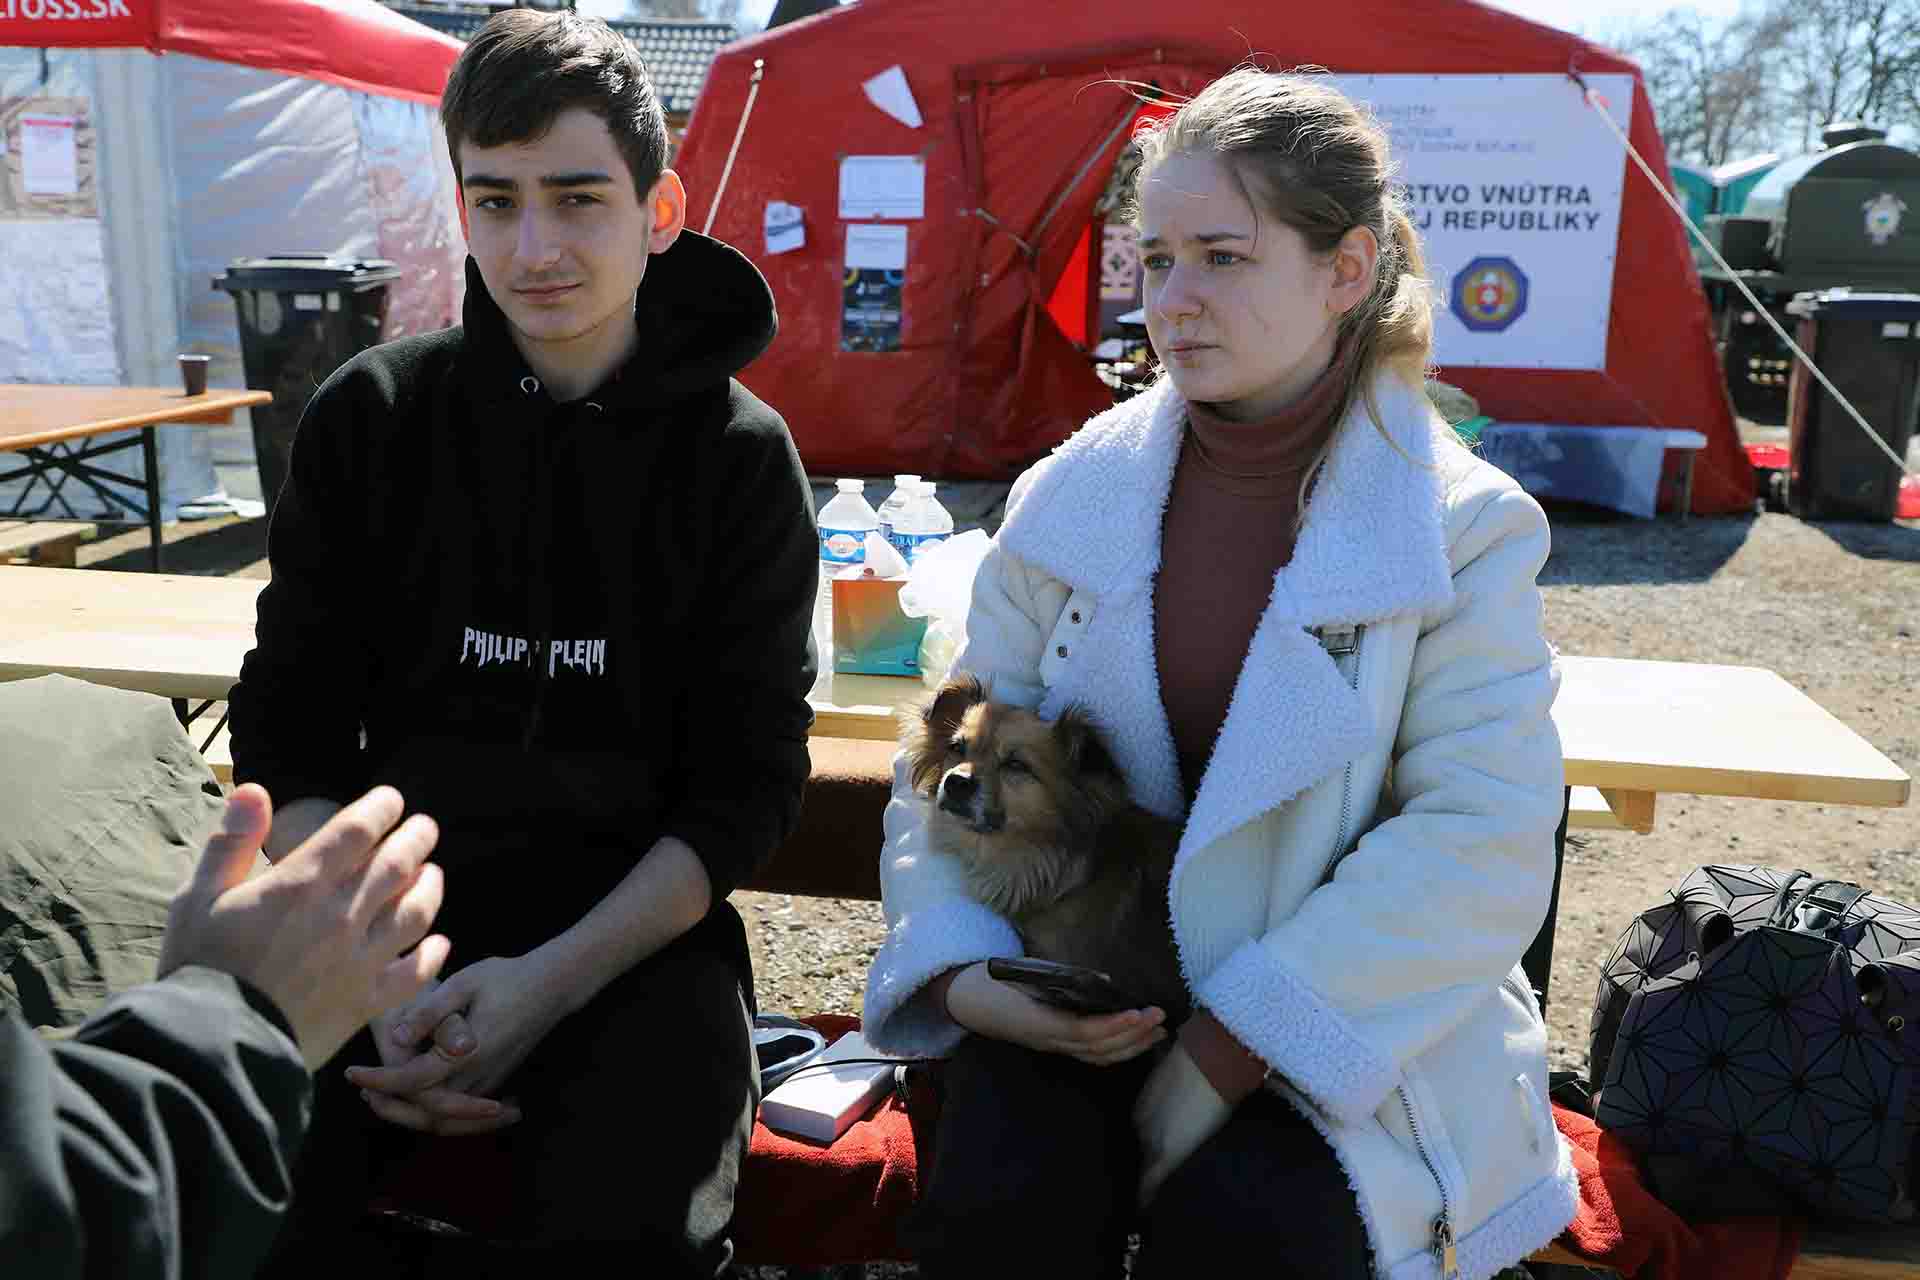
[{"x": 870, "y": 634}]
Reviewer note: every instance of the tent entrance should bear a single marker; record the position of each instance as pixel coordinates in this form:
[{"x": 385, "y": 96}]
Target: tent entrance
[{"x": 1039, "y": 143}]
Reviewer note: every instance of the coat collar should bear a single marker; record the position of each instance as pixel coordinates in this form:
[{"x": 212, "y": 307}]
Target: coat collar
[{"x": 1372, "y": 546}]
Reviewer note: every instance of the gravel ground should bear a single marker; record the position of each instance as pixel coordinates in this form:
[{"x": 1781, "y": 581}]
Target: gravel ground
[{"x": 1834, "y": 608}]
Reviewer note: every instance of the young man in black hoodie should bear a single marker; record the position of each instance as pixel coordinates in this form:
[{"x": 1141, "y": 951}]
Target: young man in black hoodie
[{"x": 551, "y": 574}]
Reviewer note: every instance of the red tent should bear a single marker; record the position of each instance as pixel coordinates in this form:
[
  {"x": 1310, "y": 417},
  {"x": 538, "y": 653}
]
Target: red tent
[
  {"x": 356, "y": 44},
  {"x": 1018, "y": 143}
]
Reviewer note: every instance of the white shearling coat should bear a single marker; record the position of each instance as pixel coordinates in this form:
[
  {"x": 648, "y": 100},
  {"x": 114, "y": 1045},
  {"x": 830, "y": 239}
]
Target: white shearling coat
[{"x": 1385, "y": 997}]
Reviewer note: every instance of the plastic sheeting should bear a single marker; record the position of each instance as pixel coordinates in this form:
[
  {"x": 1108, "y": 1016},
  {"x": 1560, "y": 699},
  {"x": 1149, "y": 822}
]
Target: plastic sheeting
[
  {"x": 282, "y": 165},
  {"x": 56, "y": 324},
  {"x": 410, "y": 187},
  {"x": 56, "y": 314},
  {"x": 262, "y": 164},
  {"x": 56, "y": 319},
  {"x": 1614, "y": 467},
  {"x": 258, "y": 163}
]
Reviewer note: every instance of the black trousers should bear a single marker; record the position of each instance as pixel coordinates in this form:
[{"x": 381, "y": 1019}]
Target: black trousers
[
  {"x": 1034, "y": 1171},
  {"x": 637, "y": 1112}
]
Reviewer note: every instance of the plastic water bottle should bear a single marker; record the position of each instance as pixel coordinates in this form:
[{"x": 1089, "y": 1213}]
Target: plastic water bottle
[
  {"x": 895, "y": 503},
  {"x": 923, "y": 523},
  {"x": 939, "y": 517},
  {"x": 844, "y": 524}
]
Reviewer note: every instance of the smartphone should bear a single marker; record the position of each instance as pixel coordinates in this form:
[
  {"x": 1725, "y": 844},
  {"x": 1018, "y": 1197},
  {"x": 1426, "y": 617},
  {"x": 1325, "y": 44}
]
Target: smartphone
[{"x": 1066, "y": 986}]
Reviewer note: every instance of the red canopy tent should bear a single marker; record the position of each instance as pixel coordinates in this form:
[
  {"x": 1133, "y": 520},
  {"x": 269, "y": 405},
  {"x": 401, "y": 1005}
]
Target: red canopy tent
[
  {"x": 1019, "y": 140},
  {"x": 356, "y": 44}
]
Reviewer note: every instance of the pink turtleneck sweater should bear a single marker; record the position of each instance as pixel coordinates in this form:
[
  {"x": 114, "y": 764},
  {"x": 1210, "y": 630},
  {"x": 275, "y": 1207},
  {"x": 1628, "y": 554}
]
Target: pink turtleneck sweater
[{"x": 1228, "y": 529}]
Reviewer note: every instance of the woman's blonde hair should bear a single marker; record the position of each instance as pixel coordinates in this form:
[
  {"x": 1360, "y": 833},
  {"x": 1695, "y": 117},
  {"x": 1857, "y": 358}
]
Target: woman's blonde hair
[{"x": 1314, "y": 160}]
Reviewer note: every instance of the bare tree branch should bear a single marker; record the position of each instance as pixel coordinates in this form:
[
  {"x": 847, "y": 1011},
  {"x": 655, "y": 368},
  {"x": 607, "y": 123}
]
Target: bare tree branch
[{"x": 1712, "y": 82}]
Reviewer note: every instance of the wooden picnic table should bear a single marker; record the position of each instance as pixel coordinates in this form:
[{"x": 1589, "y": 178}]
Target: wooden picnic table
[
  {"x": 1631, "y": 728},
  {"x": 44, "y": 424}
]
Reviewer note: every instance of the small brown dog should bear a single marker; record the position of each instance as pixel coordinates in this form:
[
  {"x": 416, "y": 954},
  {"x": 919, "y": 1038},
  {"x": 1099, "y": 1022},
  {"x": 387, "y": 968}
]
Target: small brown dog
[{"x": 1040, "y": 818}]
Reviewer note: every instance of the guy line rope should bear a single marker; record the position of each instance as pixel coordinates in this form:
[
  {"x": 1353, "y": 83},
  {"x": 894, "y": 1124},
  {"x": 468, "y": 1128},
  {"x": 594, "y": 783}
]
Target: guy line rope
[{"x": 1599, "y": 105}]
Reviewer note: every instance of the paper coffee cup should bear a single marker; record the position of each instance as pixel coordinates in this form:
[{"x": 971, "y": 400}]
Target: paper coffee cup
[{"x": 193, "y": 373}]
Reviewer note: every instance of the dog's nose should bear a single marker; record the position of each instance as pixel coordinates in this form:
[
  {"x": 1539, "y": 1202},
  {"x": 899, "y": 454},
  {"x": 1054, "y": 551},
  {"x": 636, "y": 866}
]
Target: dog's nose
[{"x": 956, "y": 793}]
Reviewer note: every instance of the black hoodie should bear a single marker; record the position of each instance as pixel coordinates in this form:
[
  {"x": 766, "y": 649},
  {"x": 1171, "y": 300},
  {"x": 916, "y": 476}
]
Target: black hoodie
[{"x": 562, "y": 627}]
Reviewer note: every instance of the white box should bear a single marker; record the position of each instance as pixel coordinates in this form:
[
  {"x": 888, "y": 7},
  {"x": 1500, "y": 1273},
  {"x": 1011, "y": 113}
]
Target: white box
[{"x": 820, "y": 1102}]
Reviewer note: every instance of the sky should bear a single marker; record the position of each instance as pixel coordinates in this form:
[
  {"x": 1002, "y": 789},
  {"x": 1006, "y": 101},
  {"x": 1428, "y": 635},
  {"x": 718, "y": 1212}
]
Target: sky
[
  {"x": 1592, "y": 17},
  {"x": 753, "y": 13},
  {"x": 1595, "y": 17}
]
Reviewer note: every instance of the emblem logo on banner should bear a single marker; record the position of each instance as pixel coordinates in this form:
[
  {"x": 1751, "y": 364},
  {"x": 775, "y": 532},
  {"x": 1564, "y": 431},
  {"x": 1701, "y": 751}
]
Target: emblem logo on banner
[
  {"x": 1489, "y": 294},
  {"x": 1883, "y": 216}
]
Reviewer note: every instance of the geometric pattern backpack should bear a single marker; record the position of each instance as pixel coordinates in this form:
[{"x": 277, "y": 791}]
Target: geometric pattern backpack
[{"x": 1756, "y": 1043}]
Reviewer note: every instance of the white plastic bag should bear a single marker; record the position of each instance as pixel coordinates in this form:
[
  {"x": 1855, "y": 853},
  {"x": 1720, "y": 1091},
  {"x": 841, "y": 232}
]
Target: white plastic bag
[{"x": 940, "y": 589}]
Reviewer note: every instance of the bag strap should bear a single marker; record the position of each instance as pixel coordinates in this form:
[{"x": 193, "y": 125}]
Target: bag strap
[
  {"x": 1820, "y": 907},
  {"x": 1786, "y": 901}
]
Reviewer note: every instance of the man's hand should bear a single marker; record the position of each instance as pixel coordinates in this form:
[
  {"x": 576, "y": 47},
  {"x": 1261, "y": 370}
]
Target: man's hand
[
  {"x": 330, "y": 931},
  {"x": 509, "y": 1005},
  {"x": 983, "y": 1004}
]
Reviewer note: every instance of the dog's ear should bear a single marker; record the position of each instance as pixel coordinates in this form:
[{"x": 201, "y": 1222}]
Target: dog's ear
[
  {"x": 927, "y": 734},
  {"x": 943, "y": 711},
  {"x": 1083, "y": 746}
]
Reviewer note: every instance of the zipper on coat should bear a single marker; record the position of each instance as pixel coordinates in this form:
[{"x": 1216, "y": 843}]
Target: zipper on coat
[
  {"x": 1342, "y": 642},
  {"x": 1442, "y": 1243}
]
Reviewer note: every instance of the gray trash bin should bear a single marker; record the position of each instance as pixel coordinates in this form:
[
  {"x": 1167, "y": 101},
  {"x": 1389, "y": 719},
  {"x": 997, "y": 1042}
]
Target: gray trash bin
[
  {"x": 302, "y": 315},
  {"x": 1868, "y": 345}
]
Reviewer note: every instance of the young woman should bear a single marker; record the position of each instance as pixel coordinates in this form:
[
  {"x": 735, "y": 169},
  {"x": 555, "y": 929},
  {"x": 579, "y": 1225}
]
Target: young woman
[{"x": 1309, "y": 624}]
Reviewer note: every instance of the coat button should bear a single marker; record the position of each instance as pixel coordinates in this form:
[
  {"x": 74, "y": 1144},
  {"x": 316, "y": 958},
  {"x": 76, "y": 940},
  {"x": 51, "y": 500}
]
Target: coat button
[
  {"x": 1076, "y": 615},
  {"x": 1061, "y": 650}
]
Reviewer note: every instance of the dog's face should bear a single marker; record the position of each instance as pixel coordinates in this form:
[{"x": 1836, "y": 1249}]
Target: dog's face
[{"x": 1011, "y": 794}]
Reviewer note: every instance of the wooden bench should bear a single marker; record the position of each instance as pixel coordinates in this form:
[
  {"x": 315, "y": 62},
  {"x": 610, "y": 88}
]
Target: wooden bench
[
  {"x": 1592, "y": 809},
  {"x": 52, "y": 543}
]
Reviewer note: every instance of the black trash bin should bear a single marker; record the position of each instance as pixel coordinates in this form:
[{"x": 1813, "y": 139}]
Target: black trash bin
[
  {"x": 302, "y": 315},
  {"x": 1868, "y": 345}
]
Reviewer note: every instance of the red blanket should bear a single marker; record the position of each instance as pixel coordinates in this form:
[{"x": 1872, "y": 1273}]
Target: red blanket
[
  {"x": 806, "y": 1205},
  {"x": 815, "y": 1206},
  {"x": 1622, "y": 1226}
]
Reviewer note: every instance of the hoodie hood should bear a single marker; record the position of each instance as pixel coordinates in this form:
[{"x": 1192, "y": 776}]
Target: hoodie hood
[{"x": 704, "y": 313}]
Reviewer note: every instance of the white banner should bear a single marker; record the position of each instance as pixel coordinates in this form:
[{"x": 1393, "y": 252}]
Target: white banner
[{"x": 1515, "y": 185}]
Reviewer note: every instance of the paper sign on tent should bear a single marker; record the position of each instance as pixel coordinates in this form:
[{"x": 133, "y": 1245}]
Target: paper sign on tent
[
  {"x": 883, "y": 187},
  {"x": 50, "y": 155},
  {"x": 786, "y": 227},
  {"x": 890, "y": 92},
  {"x": 881, "y": 247}
]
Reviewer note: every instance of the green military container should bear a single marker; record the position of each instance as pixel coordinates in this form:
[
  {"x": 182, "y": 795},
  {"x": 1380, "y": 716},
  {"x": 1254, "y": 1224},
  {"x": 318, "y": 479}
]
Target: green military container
[
  {"x": 1834, "y": 218},
  {"x": 1840, "y": 216}
]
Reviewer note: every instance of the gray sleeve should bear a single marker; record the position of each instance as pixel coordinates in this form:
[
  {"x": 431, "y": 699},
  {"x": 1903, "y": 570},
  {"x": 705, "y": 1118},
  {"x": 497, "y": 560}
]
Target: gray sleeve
[{"x": 159, "y": 1140}]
